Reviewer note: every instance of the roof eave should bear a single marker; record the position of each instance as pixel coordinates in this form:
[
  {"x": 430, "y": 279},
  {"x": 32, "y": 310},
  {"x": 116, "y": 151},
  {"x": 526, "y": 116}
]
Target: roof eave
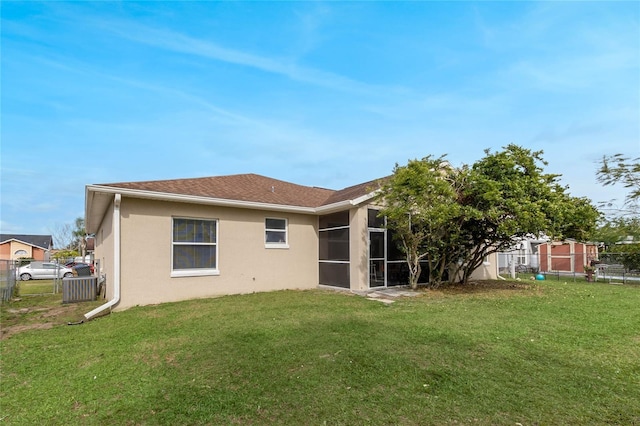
[
  {"x": 194, "y": 199},
  {"x": 341, "y": 205},
  {"x": 94, "y": 220}
]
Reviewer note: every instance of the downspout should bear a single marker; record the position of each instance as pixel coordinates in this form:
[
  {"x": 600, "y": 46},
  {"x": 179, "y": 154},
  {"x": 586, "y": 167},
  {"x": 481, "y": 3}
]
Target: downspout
[{"x": 116, "y": 262}]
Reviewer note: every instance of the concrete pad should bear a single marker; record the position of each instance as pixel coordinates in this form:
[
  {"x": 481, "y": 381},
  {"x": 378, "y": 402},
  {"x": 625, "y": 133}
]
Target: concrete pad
[{"x": 385, "y": 301}]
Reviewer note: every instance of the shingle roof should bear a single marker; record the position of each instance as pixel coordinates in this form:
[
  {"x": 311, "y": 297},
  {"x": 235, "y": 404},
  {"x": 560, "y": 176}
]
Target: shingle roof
[
  {"x": 42, "y": 241},
  {"x": 353, "y": 192},
  {"x": 244, "y": 187},
  {"x": 252, "y": 188}
]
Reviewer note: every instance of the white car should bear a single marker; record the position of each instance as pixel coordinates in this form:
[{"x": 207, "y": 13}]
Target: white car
[{"x": 43, "y": 271}]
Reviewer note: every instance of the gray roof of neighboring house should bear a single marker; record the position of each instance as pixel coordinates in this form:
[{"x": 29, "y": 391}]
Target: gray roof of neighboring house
[{"x": 42, "y": 241}]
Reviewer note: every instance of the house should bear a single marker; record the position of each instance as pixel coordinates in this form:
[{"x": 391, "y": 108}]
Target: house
[
  {"x": 546, "y": 255},
  {"x": 524, "y": 255},
  {"x": 171, "y": 240},
  {"x": 16, "y": 246}
]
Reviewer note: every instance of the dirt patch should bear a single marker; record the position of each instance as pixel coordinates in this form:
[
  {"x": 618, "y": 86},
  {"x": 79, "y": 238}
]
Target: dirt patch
[
  {"x": 11, "y": 330},
  {"x": 17, "y": 319},
  {"x": 482, "y": 286}
]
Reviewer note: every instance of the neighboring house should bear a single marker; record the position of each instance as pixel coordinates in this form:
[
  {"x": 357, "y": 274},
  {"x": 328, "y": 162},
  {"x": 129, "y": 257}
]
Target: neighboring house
[
  {"x": 171, "y": 240},
  {"x": 524, "y": 255},
  {"x": 544, "y": 255},
  {"x": 91, "y": 245},
  {"x": 16, "y": 246}
]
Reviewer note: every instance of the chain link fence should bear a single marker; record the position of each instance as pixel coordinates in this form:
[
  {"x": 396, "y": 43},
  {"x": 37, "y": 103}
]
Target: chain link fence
[
  {"x": 46, "y": 278},
  {"x": 8, "y": 280},
  {"x": 608, "y": 267},
  {"x": 37, "y": 285}
]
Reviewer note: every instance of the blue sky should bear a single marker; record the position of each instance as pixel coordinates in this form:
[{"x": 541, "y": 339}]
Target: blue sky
[{"x": 327, "y": 94}]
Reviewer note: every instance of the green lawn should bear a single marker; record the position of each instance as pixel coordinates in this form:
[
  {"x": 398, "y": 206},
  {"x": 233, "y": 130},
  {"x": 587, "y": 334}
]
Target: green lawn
[
  {"x": 536, "y": 353},
  {"x": 31, "y": 287}
]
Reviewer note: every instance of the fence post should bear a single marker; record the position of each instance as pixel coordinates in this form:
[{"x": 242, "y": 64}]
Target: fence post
[{"x": 8, "y": 280}]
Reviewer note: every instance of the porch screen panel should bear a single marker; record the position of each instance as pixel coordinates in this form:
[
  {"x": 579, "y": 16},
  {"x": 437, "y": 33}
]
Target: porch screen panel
[
  {"x": 334, "y": 249},
  {"x": 397, "y": 268},
  {"x": 334, "y": 244},
  {"x": 375, "y": 221},
  {"x": 334, "y": 274},
  {"x": 394, "y": 253},
  {"x": 335, "y": 220}
]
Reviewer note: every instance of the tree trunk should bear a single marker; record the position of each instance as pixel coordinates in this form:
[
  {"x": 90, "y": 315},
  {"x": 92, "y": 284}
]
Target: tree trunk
[{"x": 414, "y": 272}]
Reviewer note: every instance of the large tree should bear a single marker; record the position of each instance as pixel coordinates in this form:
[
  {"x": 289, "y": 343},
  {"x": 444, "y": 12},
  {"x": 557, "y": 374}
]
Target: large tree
[
  {"x": 420, "y": 204},
  {"x": 618, "y": 230},
  {"x": 452, "y": 219},
  {"x": 513, "y": 198},
  {"x": 625, "y": 170},
  {"x": 80, "y": 236},
  {"x": 70, "y": 236}
]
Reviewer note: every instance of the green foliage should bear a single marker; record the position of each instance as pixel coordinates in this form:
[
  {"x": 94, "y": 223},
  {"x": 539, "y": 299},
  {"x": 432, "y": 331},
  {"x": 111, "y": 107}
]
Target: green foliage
[
  {"x": 617, "y": 229},
  {"x": 420, "y": 203},
  {"x": 516, "y": 198},
  {"x": 513, "y": 198},
  {"x": 621, "y": 169},
  {"x": 25, "y": 261},
  {"x": 627, "y": 254},
  {"x": 455, "y": 218},
  {"x": 79, "y": 236},
  {"x": 65, "y": 254}
]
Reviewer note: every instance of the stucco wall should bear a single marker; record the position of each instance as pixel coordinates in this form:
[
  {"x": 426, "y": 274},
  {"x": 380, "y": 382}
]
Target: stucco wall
[
  {"x": 359, "y": 248},
  {"x": 39, "y": 254},
  {"x": 104, "y": 250},
  {"x": 9, "y": 249},
  {"x": 244, "y": 263},
  {"x": 488, "y": 270},
  {"x": 5, "y": 251}
]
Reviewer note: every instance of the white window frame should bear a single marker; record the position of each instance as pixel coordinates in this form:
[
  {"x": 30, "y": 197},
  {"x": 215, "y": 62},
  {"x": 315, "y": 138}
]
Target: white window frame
[
  {"x": 279, "y": 245},
  {"x": 200, "y": 272}
]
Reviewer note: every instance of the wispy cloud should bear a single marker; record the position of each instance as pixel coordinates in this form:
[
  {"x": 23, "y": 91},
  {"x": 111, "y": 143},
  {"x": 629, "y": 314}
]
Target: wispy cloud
[
  {"x": 178, "y": 42},
  {"x": 77, "y": 67}
]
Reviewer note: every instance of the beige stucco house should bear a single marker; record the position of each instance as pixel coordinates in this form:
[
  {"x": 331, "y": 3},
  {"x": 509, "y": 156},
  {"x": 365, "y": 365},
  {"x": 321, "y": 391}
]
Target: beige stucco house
[{"x": 171, "y": 240}]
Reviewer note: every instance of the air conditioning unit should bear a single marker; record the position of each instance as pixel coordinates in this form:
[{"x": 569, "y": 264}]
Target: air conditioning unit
[{"x": 79, "y": 289}]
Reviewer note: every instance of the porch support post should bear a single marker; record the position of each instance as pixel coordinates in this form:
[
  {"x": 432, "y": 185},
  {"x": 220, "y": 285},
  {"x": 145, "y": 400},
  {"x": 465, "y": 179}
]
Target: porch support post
[{"x": 359, "y": 248}]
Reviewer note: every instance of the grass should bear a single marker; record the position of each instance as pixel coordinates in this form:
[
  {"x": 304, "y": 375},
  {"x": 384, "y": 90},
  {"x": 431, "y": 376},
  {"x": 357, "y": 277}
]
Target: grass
[
  {"x": 497, "y": 353},
  {"x": 39, "y": 287}
]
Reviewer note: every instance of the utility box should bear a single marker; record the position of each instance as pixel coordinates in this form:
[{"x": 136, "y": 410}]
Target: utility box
[
  {"x": 79, "y": 289},
  {"x": 82, "y": 271}
]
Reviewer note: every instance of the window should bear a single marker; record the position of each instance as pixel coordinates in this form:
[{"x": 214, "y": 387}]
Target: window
[
  {"x": 21, "y": 253},
  {"x": 275, "y": 233},
  {"x": 194, "y": 247}
]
